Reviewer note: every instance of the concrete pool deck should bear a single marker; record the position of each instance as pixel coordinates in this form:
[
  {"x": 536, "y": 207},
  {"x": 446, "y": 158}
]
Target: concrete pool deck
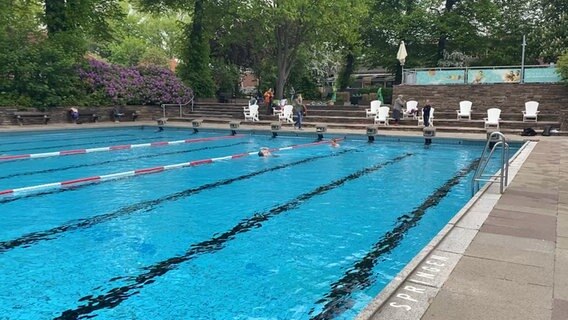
[{"x": 504, "y": 256}]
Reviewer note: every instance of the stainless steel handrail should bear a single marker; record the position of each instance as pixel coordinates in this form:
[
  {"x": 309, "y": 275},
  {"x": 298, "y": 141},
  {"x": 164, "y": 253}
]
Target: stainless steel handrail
[
  {"x": 181, "y": 105},
  {"x": 494, "y": 141}
]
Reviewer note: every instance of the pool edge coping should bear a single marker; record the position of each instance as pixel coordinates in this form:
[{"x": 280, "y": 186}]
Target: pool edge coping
[{"x": 379, "y": 301}]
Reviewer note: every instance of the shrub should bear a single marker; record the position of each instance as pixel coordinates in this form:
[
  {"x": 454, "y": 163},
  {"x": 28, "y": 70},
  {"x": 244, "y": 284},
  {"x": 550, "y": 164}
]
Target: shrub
[
  {"x": 109, "y": 84},
  {"x": 39, "y": 72}
]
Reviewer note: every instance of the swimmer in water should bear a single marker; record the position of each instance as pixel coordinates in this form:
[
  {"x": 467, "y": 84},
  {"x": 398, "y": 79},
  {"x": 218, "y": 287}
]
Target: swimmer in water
[
  {"x": 264, "y": 152},
  {"x": 334, "y": 143}
]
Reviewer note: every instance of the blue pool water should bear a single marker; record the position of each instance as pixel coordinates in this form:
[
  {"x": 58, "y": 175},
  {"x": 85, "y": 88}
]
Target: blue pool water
[{"x": 314, "y": 233}]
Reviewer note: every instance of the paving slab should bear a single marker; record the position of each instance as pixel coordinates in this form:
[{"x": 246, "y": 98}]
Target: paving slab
[
  {"x": 562, "y": 227},
  {"x": 520, "y": 224},
  {"x": 559, "y": 309},
  {"x": 473, "y": 267},
  {"x": 456, "y": 306},
  {"x": 561, "y": 242},
  {"x": 473, "y": 220},
  {"x": 561, "y": 275},
  {"x": 457, "y": 240}
]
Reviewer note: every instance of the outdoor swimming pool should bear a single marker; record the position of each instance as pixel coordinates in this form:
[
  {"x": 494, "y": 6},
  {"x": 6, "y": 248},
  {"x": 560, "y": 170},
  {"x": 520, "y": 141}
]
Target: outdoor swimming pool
[{"x": 314, "y": 233}]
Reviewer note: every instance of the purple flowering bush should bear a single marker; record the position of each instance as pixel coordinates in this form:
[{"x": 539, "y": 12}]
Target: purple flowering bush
[{"x": 112, "y": 84}]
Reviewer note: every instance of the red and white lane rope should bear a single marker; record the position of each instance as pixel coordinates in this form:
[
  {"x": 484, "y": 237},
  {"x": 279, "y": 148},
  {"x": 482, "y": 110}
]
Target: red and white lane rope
[
  {"x": 94, "y": 179},
  {"x": 111, "y": 148}
]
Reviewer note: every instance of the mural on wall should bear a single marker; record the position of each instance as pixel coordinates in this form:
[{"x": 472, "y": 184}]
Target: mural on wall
[
  {"x": 494, "y": 76},
  {"x": 434, "y": 76},
  {"x": 543, "y": 75},
  {"x": 479, "y": 76}
]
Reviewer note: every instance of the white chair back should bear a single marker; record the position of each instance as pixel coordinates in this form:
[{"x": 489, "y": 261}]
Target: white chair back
[
  {"x": 375, "y": 105},
  {"x": 493, "y": 115},
  {"x": 531, "y": 107},
  {"x": 465, "y": 107},
  {"x": 251, "y": 113},
  {"x": 253, "y": 109},
  {"x": 411, "y": 105},
  {"x": 287, "y": 113},
  {"x": 288, "y": 109},
  {"x": 383, "y": 113},
  {"x": 382, "y": 116}
]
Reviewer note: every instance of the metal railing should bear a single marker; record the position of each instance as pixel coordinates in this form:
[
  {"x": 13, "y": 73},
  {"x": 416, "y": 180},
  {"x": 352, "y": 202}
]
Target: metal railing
[
  {"x": 180, "y": 105},
  {"x": 495, "y": 140}
]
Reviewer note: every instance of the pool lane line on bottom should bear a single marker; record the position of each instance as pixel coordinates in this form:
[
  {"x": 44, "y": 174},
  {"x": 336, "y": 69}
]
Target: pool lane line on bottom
[
  {"x": 83, "y": 165},
  {"x": 359, "y": 276},
  {"x": 31, "y": 238},
  {"x": 112, "y": 148},
  {"x": 132, "y": 173},
  {"x": 117, "y": 295}
]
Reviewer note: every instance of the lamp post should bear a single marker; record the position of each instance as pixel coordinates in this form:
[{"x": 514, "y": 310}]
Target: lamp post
[{"x": 523, "y": 60}]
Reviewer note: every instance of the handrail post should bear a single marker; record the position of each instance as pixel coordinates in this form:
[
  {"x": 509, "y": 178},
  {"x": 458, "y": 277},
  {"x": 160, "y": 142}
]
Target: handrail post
[{"x": 504, "y": 172}]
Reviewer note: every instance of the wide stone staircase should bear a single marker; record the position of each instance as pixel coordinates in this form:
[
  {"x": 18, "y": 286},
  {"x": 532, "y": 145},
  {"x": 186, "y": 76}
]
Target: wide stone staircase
[{"x": 353, "y": 118}]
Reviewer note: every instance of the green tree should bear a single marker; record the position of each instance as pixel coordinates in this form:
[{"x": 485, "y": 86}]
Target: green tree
[
  {"x": 293, "y": 25},
  {"x": 488, "y": 31},
  {"x": 551, "y": 36},
  {"x": 194, "y": 67},
  {"x": 563, "y": 66},
  {"x": 142, "y": 38}
]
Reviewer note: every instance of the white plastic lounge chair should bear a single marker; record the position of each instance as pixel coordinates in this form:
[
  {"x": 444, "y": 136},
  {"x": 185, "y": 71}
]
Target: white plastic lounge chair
[
  {"x": 411, "y": 105},
  {"x": 280, "y": 103},
  {"x": 251, "y": 113},
  {"x": 492, "y": 119},
  {"x": 375, "y": 105},
  {"x": 382, "y": 116},
  {"x": 276, "y": 112},
  {"x": 246, "y": 109},
  {"x": 287, "y": 114},
  {"x": 465, "y": 110},
  {"x": 531, "y": 111},
  {"x": 430, "y": 120}
]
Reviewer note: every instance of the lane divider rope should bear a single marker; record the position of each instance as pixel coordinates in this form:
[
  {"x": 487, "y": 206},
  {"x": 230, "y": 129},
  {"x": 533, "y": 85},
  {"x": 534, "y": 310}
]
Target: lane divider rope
[
  {"x": 111, "y": 148},
  {"x": 114, "y": 176}
]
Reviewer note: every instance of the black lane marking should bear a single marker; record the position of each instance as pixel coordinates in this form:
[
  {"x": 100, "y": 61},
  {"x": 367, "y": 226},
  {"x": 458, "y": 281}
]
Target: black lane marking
[
  {"x": 117, "y": 160},
  {"x": 117, "y": 295},
  {"x": 66, "y": 139},
  {"x": 66, "y": 146},
  {"x": 360, "y": 275},
  {"x": 29, "y": 239}
]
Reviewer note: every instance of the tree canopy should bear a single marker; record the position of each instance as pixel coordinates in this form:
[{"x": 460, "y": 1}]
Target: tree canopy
[{"x": 291, "y": 45}]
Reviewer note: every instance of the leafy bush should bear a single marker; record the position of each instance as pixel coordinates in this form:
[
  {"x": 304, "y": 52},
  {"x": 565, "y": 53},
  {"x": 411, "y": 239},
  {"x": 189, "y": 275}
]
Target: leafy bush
[
  {"x": 109, "y": 84},
  {"x": 39, "y": 72}
]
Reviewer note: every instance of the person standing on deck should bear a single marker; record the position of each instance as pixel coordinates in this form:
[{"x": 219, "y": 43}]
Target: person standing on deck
[
  {"x": 397, "y": 108},
  {"x": 300, "y": 111},
  {"x": 268, "y": 96}
]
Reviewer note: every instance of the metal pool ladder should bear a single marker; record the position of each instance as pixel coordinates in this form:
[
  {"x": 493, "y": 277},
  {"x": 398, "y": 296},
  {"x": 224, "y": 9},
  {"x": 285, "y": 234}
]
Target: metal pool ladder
[{"x": 495, "y": 140}]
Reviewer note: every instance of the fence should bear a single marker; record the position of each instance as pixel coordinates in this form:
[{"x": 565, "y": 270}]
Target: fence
[{"x": 480, "y": 75}]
